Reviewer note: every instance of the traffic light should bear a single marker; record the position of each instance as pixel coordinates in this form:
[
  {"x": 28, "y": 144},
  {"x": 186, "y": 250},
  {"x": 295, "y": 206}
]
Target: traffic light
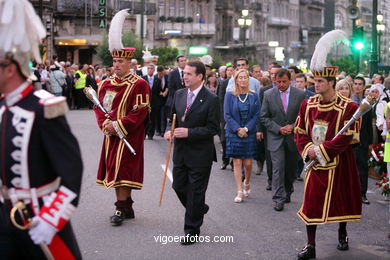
[{"x": 358, "y": 43}]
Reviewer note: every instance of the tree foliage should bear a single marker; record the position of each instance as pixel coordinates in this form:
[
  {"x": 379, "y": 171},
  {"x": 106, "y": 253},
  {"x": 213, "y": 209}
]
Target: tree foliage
[
  {"x": 346, "y": 64},
  {"x": 129, "y": 39},
  {"x": 166, "y": 55}
]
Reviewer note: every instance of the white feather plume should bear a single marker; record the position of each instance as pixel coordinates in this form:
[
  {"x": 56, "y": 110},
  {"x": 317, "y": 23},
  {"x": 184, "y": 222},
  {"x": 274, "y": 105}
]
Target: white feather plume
[
  {"x": 21, "y": 31},
  {"x": 206, "y": 60},
  {"x": 323, "y": 46},
  {"x": 115, "y": 32}
]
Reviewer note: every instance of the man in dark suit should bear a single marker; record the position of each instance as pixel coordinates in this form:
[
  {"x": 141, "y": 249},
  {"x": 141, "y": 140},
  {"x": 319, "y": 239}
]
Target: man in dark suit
[
  {"x": 361, "y": 149},
  {"x": 153, "y": 82},
  {"x": 159, "y": 98},
  {"x": 279, "y": 111},
  {"x": 175, "y": 80},
  {"x": 221, "y": 95},
  {"x": 197, "y": 113},
  {"x": 262, "y": 134}
]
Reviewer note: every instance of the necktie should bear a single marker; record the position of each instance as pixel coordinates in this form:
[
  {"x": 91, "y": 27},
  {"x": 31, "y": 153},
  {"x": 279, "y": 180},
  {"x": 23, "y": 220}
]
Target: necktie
[
  {"x": 189, "y": 100},
  {"x": 182, "y": 80},
  {"x": 284, "y": 100}
]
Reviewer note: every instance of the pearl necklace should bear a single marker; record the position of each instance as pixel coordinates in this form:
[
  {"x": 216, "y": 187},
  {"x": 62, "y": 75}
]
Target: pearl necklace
[{"x": 243, "y": 101}]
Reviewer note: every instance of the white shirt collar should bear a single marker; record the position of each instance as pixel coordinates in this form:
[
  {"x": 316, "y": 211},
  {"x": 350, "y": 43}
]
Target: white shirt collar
[
  {"x": 15, "y": 95},
  {"x": 287, "y": 91},
  {"x": 196, "y": 91}
]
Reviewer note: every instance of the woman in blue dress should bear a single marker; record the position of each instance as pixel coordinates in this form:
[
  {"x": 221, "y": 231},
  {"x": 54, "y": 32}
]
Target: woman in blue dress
[{"x": 241, "y": 112}]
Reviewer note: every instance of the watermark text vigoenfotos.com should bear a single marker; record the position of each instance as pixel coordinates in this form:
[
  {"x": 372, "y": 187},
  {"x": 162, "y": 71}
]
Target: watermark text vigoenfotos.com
[{"x": 165, "y": 239}]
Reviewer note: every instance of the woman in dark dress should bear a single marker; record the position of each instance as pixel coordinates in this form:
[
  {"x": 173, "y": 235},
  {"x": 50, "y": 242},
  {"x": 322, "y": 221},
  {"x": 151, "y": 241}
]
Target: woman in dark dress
[{"x": 241, "y": 112}]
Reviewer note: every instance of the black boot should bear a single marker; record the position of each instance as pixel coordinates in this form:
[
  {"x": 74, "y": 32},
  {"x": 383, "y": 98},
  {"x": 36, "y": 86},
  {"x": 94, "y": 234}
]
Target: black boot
[
  {"x": 343, "y": 242},
  {"x": 308, "y": 252},
  {"x": 129, "y": 212}
]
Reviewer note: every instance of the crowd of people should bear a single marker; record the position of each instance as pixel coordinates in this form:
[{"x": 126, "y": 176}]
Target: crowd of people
[{"x": 281, "y": 118}]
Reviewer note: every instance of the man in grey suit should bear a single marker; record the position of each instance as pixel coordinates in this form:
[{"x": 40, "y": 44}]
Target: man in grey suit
[{"x": 278, "y": 113}]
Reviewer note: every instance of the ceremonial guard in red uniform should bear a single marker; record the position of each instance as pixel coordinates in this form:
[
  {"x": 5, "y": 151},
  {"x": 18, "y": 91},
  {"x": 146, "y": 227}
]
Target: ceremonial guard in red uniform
[
  {"x": 332, "y": 189},
  {"x": 40, "y": 158},
  {"x": 125, "y": 97}
]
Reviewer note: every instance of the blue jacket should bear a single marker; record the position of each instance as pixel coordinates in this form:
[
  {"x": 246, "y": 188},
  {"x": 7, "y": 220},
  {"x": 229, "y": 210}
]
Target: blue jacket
[{"x": 232, "y": 115}]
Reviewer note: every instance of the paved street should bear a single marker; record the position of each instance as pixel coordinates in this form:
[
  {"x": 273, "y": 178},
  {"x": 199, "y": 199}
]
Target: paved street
[{"x": 258, "y": 231}]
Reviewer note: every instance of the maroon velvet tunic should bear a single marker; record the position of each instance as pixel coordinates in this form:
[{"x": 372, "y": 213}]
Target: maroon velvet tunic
[
  {"x": 332, "y": 187},
  {"x": 127, "y": 100}
]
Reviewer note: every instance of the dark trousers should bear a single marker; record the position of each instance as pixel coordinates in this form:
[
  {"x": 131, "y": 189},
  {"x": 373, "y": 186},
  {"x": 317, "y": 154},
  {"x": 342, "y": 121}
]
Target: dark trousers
[
  {"x": 163, "y": 120},
  {"x": 155, "y": 121},
  {"x": 268, "y": 160},
  {"x": 361, "y": 154},
  {"x": 300, "y": 166},
  {"x": 80, "y": 99},
  {"x": 225, "y": 160},
  {"x": 17, "y": 244},
  {"x": 190, "y": 185}
]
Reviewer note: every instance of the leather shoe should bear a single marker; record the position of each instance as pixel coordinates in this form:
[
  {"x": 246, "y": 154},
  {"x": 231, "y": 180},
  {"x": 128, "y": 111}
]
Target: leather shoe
[
  {"x": 365, "y": 200},
  {"x": 189, "y": 240},
  {"x": 287, "y": 199},
  {"x": 269, "y": 187},
  {"x": 223, "y": 166},
  {"x": 343, "y": 242},
  {"x": 279, "y": 206},
  {"x": 117, "y": 218},
  {"x": 308, "y": 252}
]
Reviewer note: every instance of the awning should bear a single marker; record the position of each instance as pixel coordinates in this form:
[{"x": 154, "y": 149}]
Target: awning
[{"x": 79, "y": 40}]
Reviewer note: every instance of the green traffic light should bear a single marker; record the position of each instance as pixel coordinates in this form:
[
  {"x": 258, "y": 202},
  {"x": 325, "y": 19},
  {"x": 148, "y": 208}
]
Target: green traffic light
[{"x": 359, "y": 45}]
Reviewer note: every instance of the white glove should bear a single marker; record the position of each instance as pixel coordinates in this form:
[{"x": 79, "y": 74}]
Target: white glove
[{"x": 42, "y": 232}]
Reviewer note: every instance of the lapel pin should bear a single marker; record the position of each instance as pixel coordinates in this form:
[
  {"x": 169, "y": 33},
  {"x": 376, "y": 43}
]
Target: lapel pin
[{"x": 201, "y": 100}]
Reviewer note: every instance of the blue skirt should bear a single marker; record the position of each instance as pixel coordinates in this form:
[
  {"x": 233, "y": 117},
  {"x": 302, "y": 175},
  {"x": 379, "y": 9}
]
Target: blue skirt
[{"x": 240, "y": 148}]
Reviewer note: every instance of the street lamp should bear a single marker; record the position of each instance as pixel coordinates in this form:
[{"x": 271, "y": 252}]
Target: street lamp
[
  {"x": 380, "y": 27},
  {"x": 244, "y": 22}
]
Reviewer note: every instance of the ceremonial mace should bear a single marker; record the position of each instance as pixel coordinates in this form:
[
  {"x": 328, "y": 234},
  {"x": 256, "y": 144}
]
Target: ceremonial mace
[
  {"x": 24, "y": 212},
  {"x": 364, "y": 107},
  {"x": 168, "y": 157},
  {"x": 91, "y": 95}
]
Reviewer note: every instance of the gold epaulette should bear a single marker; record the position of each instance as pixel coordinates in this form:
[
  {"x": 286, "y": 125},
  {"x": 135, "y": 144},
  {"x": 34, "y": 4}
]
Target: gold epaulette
[
  {"x": 133, "y": 78},
  {"x": 101, "y": 83},
  {"x": 314, "y": 99},
  {"x": 53, "y": 106}
]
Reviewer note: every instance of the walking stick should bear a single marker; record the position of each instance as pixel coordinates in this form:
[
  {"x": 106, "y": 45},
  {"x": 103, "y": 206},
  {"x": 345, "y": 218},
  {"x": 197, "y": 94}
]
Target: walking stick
[{"x": 167, "y": 161}]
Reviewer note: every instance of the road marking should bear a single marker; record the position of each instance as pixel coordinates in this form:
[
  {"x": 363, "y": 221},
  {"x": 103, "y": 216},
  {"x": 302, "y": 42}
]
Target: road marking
[{"x": 169, "y": 173}]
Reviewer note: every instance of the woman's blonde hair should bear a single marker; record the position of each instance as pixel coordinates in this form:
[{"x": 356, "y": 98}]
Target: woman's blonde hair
[
  {"x": 235, "y": 90},
  {"x": 342, "y": 83}
]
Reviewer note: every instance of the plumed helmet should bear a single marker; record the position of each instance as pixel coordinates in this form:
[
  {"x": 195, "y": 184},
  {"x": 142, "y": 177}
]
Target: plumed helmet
[
  {"x": 318, "y": 61},
  {"x": 21, "y": 32},
  {"x": 115, "y": 36}
]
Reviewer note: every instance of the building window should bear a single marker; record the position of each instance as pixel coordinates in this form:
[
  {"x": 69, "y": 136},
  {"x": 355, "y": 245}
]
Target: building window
[
  {"x": 172, "y": 7},
  {"x": 181, "y": 8},
  {"x": 161, "y": 7}
]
